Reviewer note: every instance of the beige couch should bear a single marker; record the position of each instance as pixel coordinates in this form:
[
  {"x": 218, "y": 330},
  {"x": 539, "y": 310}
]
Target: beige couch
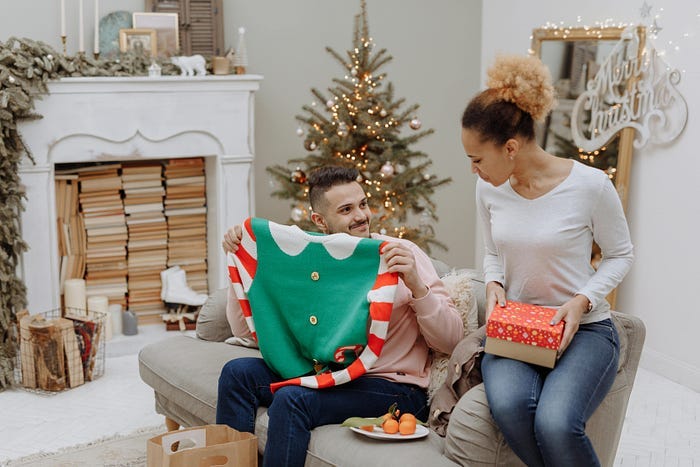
[{"x": 183, "y": 372}]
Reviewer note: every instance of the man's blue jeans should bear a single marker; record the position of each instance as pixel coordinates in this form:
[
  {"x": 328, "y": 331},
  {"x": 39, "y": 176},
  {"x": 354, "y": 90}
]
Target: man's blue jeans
[
  {"x": 294, "y": 411},
  {"x": 541, "y": 412}
]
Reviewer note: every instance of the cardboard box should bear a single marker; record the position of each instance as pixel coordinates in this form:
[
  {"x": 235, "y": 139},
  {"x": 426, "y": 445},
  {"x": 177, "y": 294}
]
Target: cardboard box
[
  {"x": 218, "y": 445},
  {"x": 521, "y": 331}
]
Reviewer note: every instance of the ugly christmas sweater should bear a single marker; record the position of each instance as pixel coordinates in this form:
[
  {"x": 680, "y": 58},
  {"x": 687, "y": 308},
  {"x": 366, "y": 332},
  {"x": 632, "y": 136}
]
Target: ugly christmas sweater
[{"x": 308, "y": 298}]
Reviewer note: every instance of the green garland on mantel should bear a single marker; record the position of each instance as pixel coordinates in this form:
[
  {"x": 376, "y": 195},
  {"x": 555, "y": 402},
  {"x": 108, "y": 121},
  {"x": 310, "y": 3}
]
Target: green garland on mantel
[{"x": 26, "y": 66}]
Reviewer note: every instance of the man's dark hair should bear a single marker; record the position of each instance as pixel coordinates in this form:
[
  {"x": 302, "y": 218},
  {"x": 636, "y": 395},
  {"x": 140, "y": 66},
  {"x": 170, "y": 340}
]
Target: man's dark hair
[{"x": 324, "y": 178}]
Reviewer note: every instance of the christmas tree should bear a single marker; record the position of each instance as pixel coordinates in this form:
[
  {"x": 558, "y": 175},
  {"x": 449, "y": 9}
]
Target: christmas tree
[{"x": 358, "y": 124}]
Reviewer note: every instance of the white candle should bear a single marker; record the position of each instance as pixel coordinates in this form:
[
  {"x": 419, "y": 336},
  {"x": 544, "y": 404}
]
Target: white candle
[
  {"x": 97, "y": 27},
  {"x": 115, "y": 315},
  {"x": 74, "y": 295},
  {"x": 81, "y": 28},
  {"x": 63, "y": 18},
  {"x": 100, "y": 304}
]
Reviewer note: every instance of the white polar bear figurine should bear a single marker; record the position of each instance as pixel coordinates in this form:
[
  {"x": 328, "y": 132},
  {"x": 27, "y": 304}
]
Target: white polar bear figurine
[{"x": 190, "y": 65}]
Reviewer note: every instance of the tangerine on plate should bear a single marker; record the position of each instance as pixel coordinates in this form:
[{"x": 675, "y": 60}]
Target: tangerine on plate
[
  {"x": 407, "y": 426},
  {"x": 390, "y": 426}
]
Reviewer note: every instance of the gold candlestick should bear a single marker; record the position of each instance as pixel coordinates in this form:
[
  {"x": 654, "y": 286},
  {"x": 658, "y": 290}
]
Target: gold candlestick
[
  {"x": 63, "y": 41},
  {"x": 96, "y": 55}
]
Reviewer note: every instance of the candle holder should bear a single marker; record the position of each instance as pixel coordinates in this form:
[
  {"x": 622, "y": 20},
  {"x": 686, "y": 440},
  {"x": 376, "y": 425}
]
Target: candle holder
[
  {"x": 96, "y": 55},
  {"x": 63, "y": 41}
]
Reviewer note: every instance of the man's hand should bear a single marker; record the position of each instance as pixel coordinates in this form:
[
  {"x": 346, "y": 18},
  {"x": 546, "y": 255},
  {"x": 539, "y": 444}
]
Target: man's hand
[
  {"x": 399, "y": 258},
  {"x": 232, "y": 238},
  {"x": 494, "y": 294},
  {"x": 571, "y": 313}
]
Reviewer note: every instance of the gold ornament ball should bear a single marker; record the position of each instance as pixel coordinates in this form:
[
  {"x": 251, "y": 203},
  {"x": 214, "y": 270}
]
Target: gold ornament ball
[
  {"x": 298, "y": 176},
  {"x": 415, "y": 123}
]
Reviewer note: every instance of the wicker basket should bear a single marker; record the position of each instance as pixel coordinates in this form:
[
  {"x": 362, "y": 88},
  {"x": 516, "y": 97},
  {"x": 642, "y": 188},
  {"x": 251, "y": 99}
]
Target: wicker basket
[{"x": 60, "y": 350}]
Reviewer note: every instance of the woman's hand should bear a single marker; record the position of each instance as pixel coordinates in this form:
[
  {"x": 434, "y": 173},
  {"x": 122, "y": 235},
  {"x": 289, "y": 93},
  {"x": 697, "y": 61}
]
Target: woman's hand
[
  {"x": 399, "y": 258},
  {"x": 494, "y": 294},
  {"x": 232, "y": 238},
  {"x": 570, "y": 312}
]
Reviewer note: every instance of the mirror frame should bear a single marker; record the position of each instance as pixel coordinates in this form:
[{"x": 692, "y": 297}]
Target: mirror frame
[
  {"x": 626, "y": 135},
  {"x": 625, "y": 148}
]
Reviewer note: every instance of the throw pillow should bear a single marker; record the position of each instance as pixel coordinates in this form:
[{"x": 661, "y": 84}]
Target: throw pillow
[
  {"x": 212, "y": 324},
  {"x": 459, "y": 287}
]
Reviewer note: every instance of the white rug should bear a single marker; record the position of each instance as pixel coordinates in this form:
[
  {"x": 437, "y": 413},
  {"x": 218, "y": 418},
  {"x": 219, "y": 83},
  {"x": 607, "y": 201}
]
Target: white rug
[{"x": 121, "y": 450}]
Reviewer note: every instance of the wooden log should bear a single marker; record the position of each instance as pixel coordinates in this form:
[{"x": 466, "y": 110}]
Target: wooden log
[
  {"x": 74, "y": 364},
  {"x": 26, "y": 352},
  {"x": 47, "y": 344}
]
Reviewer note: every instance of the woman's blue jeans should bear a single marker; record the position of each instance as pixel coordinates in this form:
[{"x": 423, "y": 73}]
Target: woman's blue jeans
[
  {"x": 294, "y": 411},
  {"x": 543, "y": 413}
]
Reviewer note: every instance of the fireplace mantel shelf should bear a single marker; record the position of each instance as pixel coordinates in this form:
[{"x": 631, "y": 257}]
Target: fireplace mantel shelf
[{"x": 99, "y": 119}]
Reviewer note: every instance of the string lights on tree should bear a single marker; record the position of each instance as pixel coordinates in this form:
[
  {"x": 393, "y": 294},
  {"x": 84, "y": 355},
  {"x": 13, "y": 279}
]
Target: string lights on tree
[{"x": 358, "y": 123}]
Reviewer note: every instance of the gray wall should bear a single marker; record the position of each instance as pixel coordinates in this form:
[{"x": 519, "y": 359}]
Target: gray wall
[{"x": 436, "y": 48}]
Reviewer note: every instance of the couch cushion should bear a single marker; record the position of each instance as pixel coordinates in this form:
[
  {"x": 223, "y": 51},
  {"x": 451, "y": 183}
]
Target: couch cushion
[
  {"x": 332, "y": 445},
  {"x": 186, "y": 370}
]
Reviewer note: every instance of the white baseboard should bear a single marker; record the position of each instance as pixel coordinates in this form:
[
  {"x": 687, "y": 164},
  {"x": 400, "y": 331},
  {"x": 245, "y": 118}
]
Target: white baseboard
[{"x": 671, "y": 368}]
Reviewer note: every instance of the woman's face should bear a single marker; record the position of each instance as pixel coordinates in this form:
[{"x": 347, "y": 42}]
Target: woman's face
[{"x": 489, "y": 160}]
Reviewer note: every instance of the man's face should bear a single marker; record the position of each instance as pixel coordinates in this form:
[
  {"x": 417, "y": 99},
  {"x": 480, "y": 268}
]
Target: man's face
[{"x": 344, "y": 209}]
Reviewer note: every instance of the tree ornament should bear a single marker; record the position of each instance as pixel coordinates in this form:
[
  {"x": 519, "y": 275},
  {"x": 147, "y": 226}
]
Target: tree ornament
[
  {"x": 353, "y": 71},
  {"x": 382, "y": 113},
  {"x": 49, "y": 56},
  {"x": 427, "y": 176},
  {"x": 342, "y": 129},
  {"x": 387, "y": 169},
  {"x": 309, "y": 145},
  {"x": 298, "y": 176},
  {"x": 415, "y": 123},
  {"x": 298, "y": 213},
  {"x": 330, "y": 103},
  {"x": 300, "y": 131}
]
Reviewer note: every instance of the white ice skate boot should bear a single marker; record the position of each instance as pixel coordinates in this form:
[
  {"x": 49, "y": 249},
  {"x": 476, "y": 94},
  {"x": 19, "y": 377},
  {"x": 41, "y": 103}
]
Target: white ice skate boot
[{"x": 177, "y": 290}]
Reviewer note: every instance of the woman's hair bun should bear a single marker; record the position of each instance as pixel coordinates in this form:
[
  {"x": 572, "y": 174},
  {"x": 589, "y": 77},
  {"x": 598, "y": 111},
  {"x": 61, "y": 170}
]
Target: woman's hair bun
[{"x": 525, "y": 81}]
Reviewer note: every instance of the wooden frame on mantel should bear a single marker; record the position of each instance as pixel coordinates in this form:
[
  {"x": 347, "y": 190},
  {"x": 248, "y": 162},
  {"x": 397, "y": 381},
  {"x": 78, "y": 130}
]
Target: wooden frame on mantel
[
  {"x": 625, "y": 138},
  {"x": 129, "y": 37}
]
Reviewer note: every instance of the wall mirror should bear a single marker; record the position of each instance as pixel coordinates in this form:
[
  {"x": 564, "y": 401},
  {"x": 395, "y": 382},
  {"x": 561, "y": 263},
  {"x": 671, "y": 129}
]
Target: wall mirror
[{"x": 574, "y": 56}]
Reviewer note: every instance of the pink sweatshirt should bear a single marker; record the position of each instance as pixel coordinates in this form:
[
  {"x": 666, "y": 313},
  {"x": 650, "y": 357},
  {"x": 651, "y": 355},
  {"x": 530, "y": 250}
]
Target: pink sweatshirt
[{"x": 415, "y": 325}]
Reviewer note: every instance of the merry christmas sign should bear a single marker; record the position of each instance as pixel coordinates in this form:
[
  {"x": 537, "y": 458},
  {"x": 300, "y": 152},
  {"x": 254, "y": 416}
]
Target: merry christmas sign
[{"x": 632, "y": 89}]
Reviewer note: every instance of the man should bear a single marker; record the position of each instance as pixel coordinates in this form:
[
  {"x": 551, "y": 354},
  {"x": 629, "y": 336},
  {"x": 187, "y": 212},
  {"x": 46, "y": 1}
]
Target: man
[{"x": 423, "y": 317}]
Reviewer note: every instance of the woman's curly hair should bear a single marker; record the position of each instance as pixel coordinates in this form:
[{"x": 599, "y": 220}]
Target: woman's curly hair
[
  {"x": 524, "y": 81},
  {"x": 519, "y": 92}
]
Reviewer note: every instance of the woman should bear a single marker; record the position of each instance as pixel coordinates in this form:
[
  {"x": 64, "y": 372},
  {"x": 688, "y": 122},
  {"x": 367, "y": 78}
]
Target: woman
[{"x": 541, "y": 214}]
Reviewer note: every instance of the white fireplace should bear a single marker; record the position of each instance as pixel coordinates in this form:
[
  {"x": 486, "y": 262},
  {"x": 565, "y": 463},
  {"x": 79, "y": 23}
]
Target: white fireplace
[{"x": 127, "y": 119}]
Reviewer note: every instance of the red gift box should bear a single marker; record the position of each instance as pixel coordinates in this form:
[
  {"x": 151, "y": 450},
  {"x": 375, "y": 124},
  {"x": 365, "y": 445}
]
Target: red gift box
[{"x": 522, "y": 331}]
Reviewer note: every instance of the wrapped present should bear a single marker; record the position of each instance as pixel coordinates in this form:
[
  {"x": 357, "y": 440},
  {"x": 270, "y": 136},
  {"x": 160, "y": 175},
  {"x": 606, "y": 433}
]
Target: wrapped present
[{"x": 523, "y": 332}]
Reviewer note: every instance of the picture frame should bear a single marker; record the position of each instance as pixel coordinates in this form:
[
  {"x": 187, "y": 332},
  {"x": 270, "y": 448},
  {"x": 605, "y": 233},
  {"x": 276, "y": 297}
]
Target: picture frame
[
  {"x": 138, "y": 39},
  {"x": 166, "y": 26}
]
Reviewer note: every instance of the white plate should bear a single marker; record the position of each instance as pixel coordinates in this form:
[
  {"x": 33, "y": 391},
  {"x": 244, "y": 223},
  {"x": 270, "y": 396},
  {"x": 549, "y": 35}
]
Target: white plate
[{"x": 378, "y": 433}]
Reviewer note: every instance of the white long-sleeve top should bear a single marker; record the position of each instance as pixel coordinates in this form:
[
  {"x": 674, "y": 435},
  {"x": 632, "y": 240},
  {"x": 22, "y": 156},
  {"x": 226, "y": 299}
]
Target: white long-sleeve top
[{"x": 540, "y": 249}]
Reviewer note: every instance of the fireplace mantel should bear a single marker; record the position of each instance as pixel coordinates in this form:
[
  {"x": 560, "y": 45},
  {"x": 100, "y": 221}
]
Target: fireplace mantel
[{"x": 128, "y": 119}]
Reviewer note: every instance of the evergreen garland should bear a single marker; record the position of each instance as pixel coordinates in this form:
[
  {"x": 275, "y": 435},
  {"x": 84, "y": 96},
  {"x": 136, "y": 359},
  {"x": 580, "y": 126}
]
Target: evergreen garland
[{"x": 25, "y": 68}]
